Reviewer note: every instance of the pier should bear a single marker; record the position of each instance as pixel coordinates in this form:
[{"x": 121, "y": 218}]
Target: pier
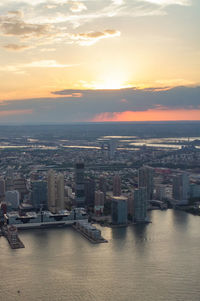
[
  {"x": 89, "y": 231},
  {"x": 11, "y": 234}
]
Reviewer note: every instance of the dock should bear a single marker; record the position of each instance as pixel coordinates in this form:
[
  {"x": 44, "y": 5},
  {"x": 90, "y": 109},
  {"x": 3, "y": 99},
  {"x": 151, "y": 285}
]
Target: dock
[
  {"x": 11, "y": 234},
  {"x": 92, "y": 240},
  {"x": 90, "y": 232}
]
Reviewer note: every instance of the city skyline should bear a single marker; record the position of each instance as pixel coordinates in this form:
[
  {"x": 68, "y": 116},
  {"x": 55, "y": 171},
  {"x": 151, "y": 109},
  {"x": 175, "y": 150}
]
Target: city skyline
[
  {"x": 99, "y": 61},
  {"x": 118, "y": 212}
]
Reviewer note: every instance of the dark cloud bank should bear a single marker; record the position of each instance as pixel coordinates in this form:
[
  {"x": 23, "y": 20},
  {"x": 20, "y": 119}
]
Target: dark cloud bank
[{"x": 83, "y": 105}]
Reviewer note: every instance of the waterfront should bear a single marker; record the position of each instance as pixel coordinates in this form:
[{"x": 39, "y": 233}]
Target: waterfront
[{"x": 159, "y": 261}]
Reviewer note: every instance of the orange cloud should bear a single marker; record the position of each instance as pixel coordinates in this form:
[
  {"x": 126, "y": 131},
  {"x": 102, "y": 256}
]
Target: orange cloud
[
  {"x": 16, "y": 47},
  {"x": 92, "y": 37},
  {"x": 15, "y": 112},
  {"x": 149, "y": 115}
]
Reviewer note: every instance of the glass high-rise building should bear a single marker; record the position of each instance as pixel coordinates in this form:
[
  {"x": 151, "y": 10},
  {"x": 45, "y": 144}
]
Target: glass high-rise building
[
  {"x": 119, "y": 210},
  {"x": 79, "y": 184},
  {"x": 39, "y": 195},
  {"x": 181, "y": 187},
  {"x": 90, "y": 186},
  {"x": 103, "y": 184},
  {"x": 145, "y": 179},
  {"x": 51, "y": 191},
  {"x": 60, "y": 200},
  {"x": 116, "y": 185},
  {"x": 140, "y": 205}
]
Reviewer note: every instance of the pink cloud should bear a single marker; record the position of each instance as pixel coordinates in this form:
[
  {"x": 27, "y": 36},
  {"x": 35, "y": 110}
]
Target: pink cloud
[
  {"x": 15, "y": 112},
  {"x": 124, "y": 100},
  {"x": 161, "y": 114}
]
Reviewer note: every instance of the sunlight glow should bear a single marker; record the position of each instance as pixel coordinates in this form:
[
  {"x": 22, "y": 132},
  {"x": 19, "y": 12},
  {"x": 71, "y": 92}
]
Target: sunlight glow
[{"x": 112, "y": 81}]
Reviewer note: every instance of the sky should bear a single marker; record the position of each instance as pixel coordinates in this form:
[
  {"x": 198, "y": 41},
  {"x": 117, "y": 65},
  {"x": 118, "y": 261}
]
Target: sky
[{"x": 99, "y": 60}]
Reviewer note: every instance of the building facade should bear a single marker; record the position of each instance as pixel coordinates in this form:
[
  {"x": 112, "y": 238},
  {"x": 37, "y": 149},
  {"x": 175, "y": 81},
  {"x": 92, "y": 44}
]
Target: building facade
[
  {"x": 39, "y": 195},
  {"x": 181, "y": 187},
  {"x": 51, "y": 190},
  {"x": 79, "y": 184},
  {"x": 119, "y": 210},
  {"x": 145, "y": 179},
  {"x": 116, "y": 185},
  {"x": 140, "y": 205}
]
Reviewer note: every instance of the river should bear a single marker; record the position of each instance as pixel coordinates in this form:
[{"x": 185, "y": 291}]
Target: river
[{"x": 154, "y": 262}]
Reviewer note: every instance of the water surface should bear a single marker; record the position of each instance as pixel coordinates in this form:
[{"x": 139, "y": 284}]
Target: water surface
[{"x": 154, "y": 262}]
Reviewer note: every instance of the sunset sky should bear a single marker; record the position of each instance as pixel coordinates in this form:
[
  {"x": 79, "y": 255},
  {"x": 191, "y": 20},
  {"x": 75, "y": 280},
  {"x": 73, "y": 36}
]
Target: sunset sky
[{"x": 99, "y": 60}]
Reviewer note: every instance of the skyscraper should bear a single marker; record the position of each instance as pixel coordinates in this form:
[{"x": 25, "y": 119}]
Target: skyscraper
[
  {"x": 145, "y": 179},
  {"x": 79, "y": 184},
  {"x": 119, "y": 211},
  {"x": 116, "y": 185},
  {"x": 102, "y": 185},
  {"x": 60, "y": 192},
  {"x": 9, "y": 184},
  {"x": 90, "y": 186},
  {"x": 51, "y": 191},
  {"x": 181, "y": 187},
  {"x": 140, "y": 205},
  {"x": 12, "y": 199},
  {"x": 39, "y": 195},
  {"x": 112, "y": 148},
  {"x": 20, "y": 185},
  {"x": 2, "y": 189},
  {"x": 99, "y": 202}
]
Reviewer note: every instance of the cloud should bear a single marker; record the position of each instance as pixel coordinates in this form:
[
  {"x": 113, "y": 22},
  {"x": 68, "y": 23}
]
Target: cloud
[
  {"x": 52, "y": 22},
  {"x": 149, "y": 115},
  {"x": 92, "y": 37},
  {"x": 169, "y": 2},
  {"x": 123, "y": 100},
  {"x": 13, "y": 25},
  {"x": 46, "y": 64},
  {"x": 133, "y": 99},
  {"x": 105, "y": 105},
  {"x": 15, "y": 13},
  {"x": 15, "y": 112},
  {"x": 50, "y": 30},
  {"x": 48, "y": 49},
  {"x": 33, "y": 3},
  {"x": 73, "y": 95},
  {"x": 35, "y": 64},
  {"x": 77, "y": 6},
  {"x": 77, "y": 13},
  {"x": 16, "y": 47},
  {"x": 50, "y": 6},
  {"x": 118, "y": 2}
]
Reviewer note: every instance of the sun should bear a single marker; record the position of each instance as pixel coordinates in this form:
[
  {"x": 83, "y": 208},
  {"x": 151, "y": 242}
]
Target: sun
[
  {"x": 111, "y": 81},
  {"x": 111, "y": 85}
]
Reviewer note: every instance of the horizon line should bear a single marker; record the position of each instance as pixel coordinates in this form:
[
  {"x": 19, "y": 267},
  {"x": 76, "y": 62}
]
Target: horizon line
[{"x": 99, "y": 122}]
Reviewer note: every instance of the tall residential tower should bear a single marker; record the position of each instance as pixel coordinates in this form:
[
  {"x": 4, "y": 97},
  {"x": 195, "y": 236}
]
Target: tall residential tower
[
  {"x": 79, "y": 184},
  {"x": 51, "y": 191},
  {"x": 140, "y": 205},
  {"x": 116, "y": 185},
  {"x": 60, "y": 192},
  {"x": 145, "y": 179}
]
